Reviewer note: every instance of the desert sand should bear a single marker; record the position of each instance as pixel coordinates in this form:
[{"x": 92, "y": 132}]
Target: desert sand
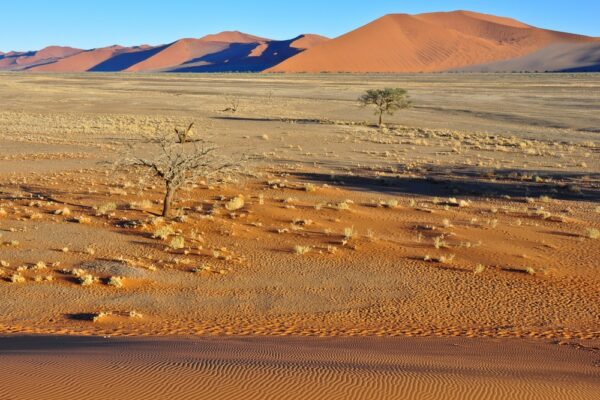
[
  {"x": 293, "y": 368},
  {"x": 470, "y": 219}
]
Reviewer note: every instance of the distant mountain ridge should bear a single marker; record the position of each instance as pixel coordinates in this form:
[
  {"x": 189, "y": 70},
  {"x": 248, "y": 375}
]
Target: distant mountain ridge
[{"x": 395, "y": 43}]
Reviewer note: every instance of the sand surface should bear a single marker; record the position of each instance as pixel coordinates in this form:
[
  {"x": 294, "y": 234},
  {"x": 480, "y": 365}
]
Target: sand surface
[
  {"x": 55, "y": 367},
  {"x": 391, "y": 248},
  {"x": 451, "y": 254}
]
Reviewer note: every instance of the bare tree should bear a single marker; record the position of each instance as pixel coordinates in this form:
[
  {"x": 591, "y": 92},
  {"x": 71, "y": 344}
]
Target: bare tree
[
  {"x": 178, "y": 163},
  {"x": 234, "y": 103},
  {"x": 183, "y": 135},
  {"x": 388, "y": 100}
]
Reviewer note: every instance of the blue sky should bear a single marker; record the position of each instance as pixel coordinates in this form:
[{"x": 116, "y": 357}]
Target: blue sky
[{"x": 33, "y": 24}]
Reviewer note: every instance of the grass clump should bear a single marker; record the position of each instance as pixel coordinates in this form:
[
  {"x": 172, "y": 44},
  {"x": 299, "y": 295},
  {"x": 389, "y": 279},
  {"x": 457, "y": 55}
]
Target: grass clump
[
  {"x": 592, "y": 233},
  {"x": 16, "y": 278},
  {"x": 86, "y": 280},
  {"x": 177, "y": 243},
  {"x": 390, "y": 203},
  {"x": 163, "y": 232},
  {"x": 301, "y": 250},
  {"x": 479, "y": 268},
  {"x": 235, "y": 203},
  {"x": 116, "y": 281},
  {"x": 106, "y": 208}
]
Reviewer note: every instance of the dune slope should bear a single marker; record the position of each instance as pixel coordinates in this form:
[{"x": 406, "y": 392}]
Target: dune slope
[{"x": 426, "y": 43}]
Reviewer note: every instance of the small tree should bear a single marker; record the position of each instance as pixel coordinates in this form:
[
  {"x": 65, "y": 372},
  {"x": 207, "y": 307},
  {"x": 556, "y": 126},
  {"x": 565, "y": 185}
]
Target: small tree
[
  {"x": 388, "y": 100},
  {"x": 178, "y": 163}
]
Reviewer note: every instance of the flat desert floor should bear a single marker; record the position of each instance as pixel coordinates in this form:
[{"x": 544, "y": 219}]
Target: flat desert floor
[{"x": 473, "y": 216}]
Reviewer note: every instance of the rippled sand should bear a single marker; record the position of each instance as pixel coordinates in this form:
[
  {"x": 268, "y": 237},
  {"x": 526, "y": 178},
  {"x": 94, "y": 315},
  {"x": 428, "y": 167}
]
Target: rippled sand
[{"x": 59, "y": 367}]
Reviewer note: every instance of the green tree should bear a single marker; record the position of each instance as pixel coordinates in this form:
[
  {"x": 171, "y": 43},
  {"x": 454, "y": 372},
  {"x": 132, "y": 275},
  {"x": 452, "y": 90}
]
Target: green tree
[{"x": 388, "y": 101}]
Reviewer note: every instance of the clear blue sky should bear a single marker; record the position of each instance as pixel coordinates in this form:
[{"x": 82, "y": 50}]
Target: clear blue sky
[{"x": 33, "y": 24}]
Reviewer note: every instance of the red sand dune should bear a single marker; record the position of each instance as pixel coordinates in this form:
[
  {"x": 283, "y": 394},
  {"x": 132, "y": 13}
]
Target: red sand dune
[
  {"x": 426, "y": 42},
  {"x": 177, "y": 53},
  {"x": 82, "y": 61},
  {"x": 18, "y": 61},
  {"x": 429, "y": 42}
]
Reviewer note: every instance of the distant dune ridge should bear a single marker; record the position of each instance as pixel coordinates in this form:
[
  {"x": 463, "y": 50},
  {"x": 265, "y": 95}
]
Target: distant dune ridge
[{"x": 432, "y": 42}]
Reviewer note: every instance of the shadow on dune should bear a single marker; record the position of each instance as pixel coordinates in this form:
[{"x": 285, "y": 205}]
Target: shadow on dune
[
  {"x": 588, "y": 68},
  {"x": 450, "y": 182},
  {"x": 24, "y": 344},
  {"x": 122, "y": 61},
  {"x": 238, "y": 58}
]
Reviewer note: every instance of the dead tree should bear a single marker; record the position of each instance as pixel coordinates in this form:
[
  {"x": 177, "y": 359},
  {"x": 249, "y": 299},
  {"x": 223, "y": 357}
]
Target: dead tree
[
  {"x": 178, "y": 163},
  {"x": 183, "y": 135}
]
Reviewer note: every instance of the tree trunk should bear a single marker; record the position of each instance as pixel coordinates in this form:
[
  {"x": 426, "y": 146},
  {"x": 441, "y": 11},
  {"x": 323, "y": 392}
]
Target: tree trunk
[
  {"x": 380, "y": 118},
  {"x": 167, "y": 201}
]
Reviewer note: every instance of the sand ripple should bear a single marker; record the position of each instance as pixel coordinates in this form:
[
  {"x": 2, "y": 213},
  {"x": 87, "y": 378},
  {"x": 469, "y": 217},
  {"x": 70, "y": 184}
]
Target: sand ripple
[{"x": 293, "y": 368}]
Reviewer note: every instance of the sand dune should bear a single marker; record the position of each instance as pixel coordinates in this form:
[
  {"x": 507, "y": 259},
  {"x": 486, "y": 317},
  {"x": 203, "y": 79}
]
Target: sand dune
[
  {"x": 82, "y": 61},
  {"x": 19, "y": 61},
  {"x": 562, "y": 57},
  {"x": 225, "y": 51},
  {"x": 429, "y": 42},
  {"x": 426, "y": 43},
  {"x": 178, "y": 53},
  {"x": 293, "y": 368},
  {"x": 249, "y": 57}
]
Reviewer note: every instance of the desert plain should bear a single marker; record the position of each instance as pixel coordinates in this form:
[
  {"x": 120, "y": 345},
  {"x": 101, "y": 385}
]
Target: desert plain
[{"x": 470, "y": 221}]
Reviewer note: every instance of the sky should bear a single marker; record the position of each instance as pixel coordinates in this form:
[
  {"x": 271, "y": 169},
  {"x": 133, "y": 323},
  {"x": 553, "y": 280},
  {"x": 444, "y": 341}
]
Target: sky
[{"x": 34, "y": 24}]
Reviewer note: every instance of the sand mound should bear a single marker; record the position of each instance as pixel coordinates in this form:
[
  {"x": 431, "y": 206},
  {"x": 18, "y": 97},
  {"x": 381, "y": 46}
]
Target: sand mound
[
  {"x": 253, "y": 368},
  {"x": 426, "y": 43},
  {"x": 564, "y": 57}
]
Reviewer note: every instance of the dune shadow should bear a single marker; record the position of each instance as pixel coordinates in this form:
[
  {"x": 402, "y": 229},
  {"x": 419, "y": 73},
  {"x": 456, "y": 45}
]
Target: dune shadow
[
  {"x": 239, "y": 57},
  {"x": 34, "y": 343},
  {"x": 449, "y": 182},
  {"x": 121, "y": 62}
]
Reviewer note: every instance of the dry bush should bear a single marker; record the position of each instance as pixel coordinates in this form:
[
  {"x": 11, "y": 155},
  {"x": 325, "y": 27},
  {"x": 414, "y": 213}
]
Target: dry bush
[{"x": 179, "y": 164}]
